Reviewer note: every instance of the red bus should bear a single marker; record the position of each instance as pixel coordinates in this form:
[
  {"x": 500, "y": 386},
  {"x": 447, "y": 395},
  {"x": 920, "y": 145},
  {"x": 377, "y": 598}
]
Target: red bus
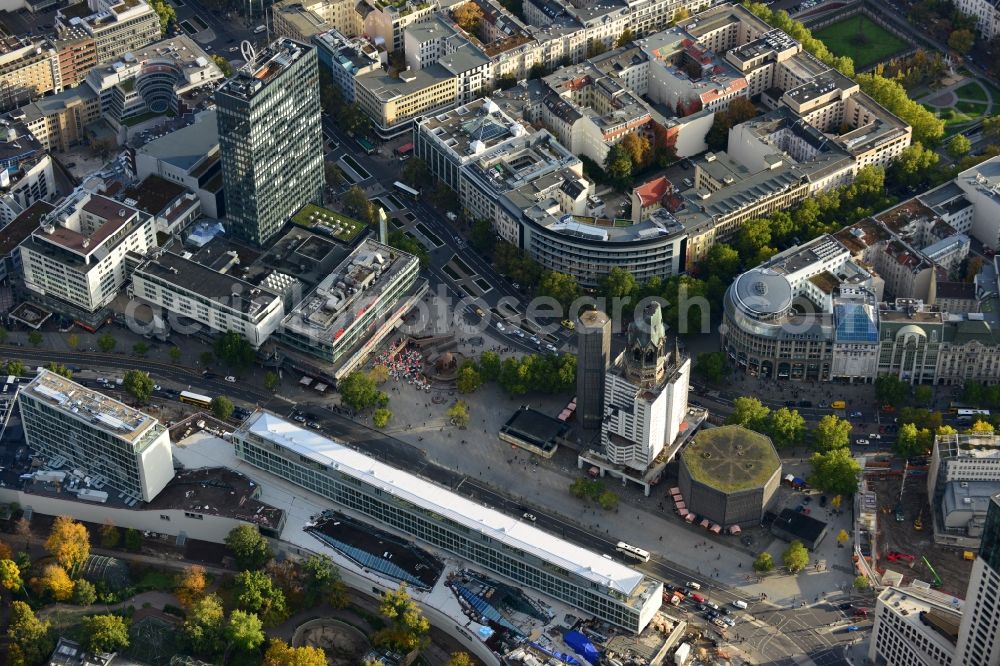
[{"x": 404, "y": 150}]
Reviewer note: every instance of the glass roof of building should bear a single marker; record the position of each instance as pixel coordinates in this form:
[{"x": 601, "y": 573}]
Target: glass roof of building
[{"x": 855, "y": 322}]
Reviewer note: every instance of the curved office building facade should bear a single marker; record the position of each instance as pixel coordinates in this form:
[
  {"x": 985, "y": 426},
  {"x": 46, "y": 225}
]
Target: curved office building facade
[{"x": 769, "y": 332}]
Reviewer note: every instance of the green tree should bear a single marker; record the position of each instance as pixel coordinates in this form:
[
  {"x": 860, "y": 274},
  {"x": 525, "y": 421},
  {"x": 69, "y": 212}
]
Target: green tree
[
  {"x": 358, "y": 391},
  {"x": 175, "y": 355},
  {"x": 560, "y": 286},
  {"x": 105, "y": 633},
  {"x": 752, "y": 236},
  {"x": 84, "y": 592},
  {"x": 106, "y": 343},
  {"x": 618, "y": 167},
  {"x": 891, "y": 390},
  {"x": 407, "y": 628},
  {"x": 133, "y": 540},
  {"x": 59, "y": 369},
  {"x": 110, "y": 535},
  {"x": 271, "y": 381},
  {"x": 245, "y": 631},
  {"x": 749, "y": 413},
  {"x": 618, "y": 283},
  {"x": 222, "y": 407},
  {"x": 54, "y": 583},
  {"x": 256, "y": 592},
  {"x": 203, "y": 625},
  {"x": 796, "y": 557},
  {"x": 322, "y": 582},
  {"x": 923, "y": 395},
  {"x": 35, "y": 338},
  {"x": 961, "y": 40},
  {"x": 959, "y": 146},
  {"x": 250, "y": 549},
  {"x": 333, "y": 175},
  {"x": 380, "y": 417},
  {"x": 786, "y": 427},
  {"x": 468, "y": 16},
  {"x": 835, "y": 471},
  {"x": 165, "y": 12},
  {"x": 16, "y": 368},
  {"x": 469, "y": 380},
  {"x": 832, "y": 432},
  {"x": 912, "y": 441},
  {"x": 138, "y": 384},
  {"x": 627, "y": 36},
  {"x": 861, "y": 583},
  {"x": 711, "y": 366},
  {"x": 234, "y": 350},
  {"x": 482, "y": 237},
  {"x": 722, "y": 260},
  {"x": 608, "y": 500},
  {"x": 223, "y": 65},
  {"x": 489, "y": 366},
  {"x": 991, "y": 129},
  {"x": 29, "y": 636},
  {"x": 206, "y": 358},
  {"x": 458, "y": 414},
  {"x": 408, "y": 244},
  {"x": 980, "y": 427},
  {"x": 415, "y": 173},
  {"x": 3, "y": 335},
  {"x": 763, "y": 563},
  {"x": 357, "y": 203}
]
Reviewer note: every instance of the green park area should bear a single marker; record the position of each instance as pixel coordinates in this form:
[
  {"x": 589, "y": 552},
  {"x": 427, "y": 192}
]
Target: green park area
[
  {"x": 859, "y": 37},
  {"x": 329, "y": 222}
]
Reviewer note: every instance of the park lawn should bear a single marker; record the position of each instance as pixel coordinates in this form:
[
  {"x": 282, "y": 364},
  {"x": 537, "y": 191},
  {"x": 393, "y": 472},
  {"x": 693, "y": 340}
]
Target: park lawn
[
  {"x": 840, "y": 39},
  {"x": 971, "y": 108},
  {"x": 972, "y": 91}
]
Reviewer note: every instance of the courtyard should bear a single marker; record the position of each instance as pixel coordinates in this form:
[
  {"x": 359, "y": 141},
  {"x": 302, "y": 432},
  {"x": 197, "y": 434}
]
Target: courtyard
[{"x": 861, "y": 38}]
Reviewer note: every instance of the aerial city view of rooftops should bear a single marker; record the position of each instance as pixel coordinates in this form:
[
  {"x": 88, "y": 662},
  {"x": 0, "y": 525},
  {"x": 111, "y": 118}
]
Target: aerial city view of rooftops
[{"x": 499, "y": 333}]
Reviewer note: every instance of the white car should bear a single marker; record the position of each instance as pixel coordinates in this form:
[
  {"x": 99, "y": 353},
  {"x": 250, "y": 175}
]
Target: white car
[
  {"x": 518, "y": 332},
  {"x": 874, "y": 435},
  {"x": 230, "y": 379},
  {"x": 551, "y": 348},
  {"x": 501, "y": 327},
  {"x": 862, "y": 442},
  {"x": 530, "y": 516}
]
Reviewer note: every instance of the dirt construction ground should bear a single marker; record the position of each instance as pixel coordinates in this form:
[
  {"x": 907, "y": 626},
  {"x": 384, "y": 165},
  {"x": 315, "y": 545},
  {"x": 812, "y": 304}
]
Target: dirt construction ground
[{"x": 902, "y": 537}]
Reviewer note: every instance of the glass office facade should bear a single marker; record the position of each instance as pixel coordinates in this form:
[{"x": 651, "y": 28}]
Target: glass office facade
[{"x": 474, "y": 546}]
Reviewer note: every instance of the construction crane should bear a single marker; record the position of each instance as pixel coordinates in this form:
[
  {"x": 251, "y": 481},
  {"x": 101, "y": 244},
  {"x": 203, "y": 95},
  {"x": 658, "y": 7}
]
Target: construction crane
[{"x": 937, "y": 579}]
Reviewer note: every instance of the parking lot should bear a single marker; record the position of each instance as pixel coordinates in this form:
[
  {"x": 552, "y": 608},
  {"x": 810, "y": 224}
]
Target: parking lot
[{"x": 902, "y": 537}]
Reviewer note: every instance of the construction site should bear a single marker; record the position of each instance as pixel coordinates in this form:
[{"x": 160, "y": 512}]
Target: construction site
[{"x": 904, "y": 548}]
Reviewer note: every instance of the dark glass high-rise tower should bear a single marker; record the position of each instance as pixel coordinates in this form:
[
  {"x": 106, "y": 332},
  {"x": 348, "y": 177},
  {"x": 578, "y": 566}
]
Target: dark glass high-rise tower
[{"x": 271, "y": 139}]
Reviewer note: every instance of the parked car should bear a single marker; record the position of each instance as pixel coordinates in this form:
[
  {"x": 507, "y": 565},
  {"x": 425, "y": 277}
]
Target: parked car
[
  {"x": 822, "y": 500},
  {"x": 855, "y": 415},
  {"x": 501, "y": 327},
  {"x": 530, "y": 516},
  {"x": 862, "y": 442},
  {"x": 875, "y": 435},
  {"x": 230, "y": 379}
]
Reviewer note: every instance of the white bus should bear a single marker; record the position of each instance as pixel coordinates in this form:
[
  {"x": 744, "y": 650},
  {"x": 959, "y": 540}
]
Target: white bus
[
  {"x": 969, "y": 414},
  {"x": 406, "y": 189},
  {"x": 633, "y": 552}
]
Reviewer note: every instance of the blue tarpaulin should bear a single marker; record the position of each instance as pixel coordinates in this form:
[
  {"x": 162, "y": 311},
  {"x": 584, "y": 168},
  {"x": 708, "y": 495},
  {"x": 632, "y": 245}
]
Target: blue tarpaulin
[{"x": 582, "y": 645}]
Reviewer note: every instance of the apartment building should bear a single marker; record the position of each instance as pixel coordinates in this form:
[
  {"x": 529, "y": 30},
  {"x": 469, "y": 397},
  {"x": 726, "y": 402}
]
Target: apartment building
[
  {"x": 979, "y": 635},
  {"x": 29, "y": 69},
  {"x": 59, "y": 121},
  {"x": 113, "y": 444},
  {"x": 26, "y": 174},
  {"x": 393, "y": 102},
  {"x": 76, "y": 260},
  {"x": 987, "y": 14},
  {"x": 512, "y": 549},
  {"x": 116, "y": 26},
  {"x": 345, "y": 58},
  {"x": 302, "y": 21},
  {"x": 980, "y": 186},
  {"x": 77, "y": 56},
  {"x": 964, "y": 473},
  {"x": 386, "y": 22},
  {"x": 172, "y": 205},
  {"x": 217, "y": 301}
]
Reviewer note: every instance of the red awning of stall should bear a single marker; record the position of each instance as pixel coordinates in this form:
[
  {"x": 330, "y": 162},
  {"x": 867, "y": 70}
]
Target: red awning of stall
[
  {"x": 690, "y": 517},
  {"x": 717, "y": 528},
  {"x": 675, "y": 491},
  {"x": 704, "y": 523},
  {"x": 684, "y": 513},
  {"x": 734, "y": 529},
  {"x": 681, "y": 505}
]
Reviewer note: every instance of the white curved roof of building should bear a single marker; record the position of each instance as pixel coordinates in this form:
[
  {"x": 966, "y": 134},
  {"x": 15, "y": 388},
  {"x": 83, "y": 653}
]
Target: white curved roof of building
[
  {"x": 494, "y": 524},
  {"x": 763, "y": 292}
]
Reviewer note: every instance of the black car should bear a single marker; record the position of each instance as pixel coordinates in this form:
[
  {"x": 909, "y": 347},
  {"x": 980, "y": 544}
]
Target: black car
[
  {"x": 789, "y": 403},
  {"x": 805, "y": 403},
  {"x": 822, "y": 500}
]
